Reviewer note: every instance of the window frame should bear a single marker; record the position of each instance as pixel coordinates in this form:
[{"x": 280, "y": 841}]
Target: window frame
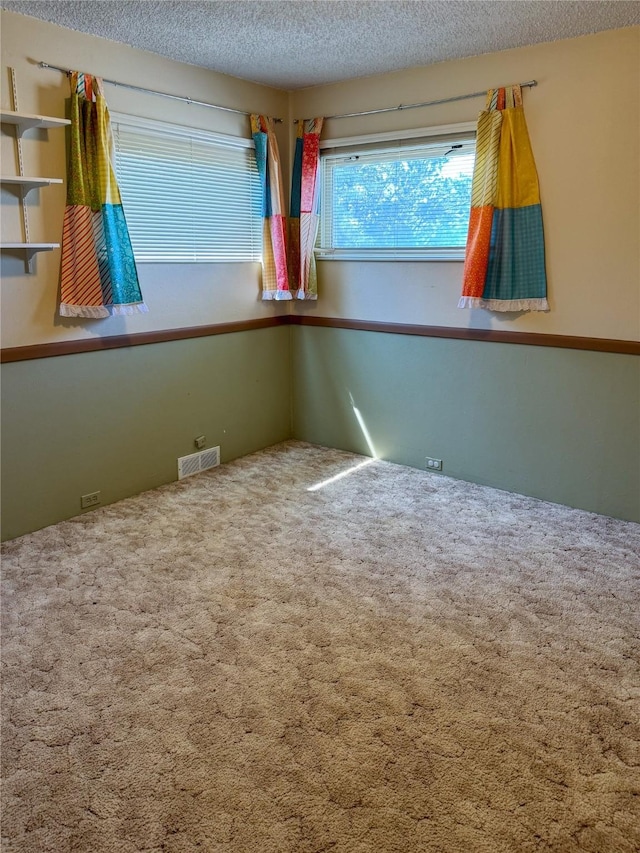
[
  {"x": 251, "y": 252},
  {"x": 388, "y": 141}
]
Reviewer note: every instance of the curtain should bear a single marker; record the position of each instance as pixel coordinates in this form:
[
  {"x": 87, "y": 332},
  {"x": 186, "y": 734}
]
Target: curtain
[
  {"x": 504, "y": 266},
  {"x": 275, "y": 279},
  {"x": 98, "y": 271},
  {"x": 304, "y": 217}
]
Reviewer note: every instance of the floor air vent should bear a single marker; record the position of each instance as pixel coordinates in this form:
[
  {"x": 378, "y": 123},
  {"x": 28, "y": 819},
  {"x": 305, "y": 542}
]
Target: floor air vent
[{"x": 196, "y": 462}]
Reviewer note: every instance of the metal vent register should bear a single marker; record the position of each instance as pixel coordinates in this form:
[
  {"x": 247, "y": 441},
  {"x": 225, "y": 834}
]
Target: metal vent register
[{"x": 197, "y": 462}]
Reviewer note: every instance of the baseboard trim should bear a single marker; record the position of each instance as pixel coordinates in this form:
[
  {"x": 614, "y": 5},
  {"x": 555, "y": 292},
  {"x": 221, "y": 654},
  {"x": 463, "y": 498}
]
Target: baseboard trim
[{"x": 58, "y": 348}]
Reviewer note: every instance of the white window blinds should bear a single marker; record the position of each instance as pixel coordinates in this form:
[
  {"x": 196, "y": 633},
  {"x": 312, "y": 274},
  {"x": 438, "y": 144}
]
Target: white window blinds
[{"x": 188, "y": 195}]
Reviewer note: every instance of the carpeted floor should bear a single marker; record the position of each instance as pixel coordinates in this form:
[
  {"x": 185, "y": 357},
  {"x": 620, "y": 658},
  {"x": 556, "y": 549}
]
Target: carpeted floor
[{"x": 395, "y": 661}]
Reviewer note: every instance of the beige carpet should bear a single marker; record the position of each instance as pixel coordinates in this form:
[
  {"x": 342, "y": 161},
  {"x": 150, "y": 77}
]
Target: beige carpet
[{"x": 395, "y": 661}]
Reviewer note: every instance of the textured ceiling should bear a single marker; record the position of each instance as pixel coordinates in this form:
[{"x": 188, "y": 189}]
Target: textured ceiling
[{"x": 291, "y": 44}]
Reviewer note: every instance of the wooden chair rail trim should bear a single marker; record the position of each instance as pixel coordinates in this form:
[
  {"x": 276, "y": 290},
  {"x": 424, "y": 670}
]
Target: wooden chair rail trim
[{"x": 57, "y": 348}]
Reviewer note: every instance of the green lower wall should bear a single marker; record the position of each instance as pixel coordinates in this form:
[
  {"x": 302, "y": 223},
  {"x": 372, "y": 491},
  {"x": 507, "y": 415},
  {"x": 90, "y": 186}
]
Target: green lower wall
[
  {"x": 562, "y": 425},
  {"x": 558, "y": 424},
  {"x": 116, "y": 421}
]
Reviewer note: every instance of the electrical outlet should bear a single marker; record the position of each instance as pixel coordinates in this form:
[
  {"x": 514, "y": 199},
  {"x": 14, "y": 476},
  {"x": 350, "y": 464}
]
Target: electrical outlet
[
  {"x": 200, "y": 441},
  {"x": 434, "y": 464},
  {"x": 92, "y": 499}
]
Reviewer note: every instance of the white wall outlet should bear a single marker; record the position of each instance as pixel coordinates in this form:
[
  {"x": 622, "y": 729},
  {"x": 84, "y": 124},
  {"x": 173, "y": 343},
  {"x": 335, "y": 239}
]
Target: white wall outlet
[{"x": 434, "y": 464}]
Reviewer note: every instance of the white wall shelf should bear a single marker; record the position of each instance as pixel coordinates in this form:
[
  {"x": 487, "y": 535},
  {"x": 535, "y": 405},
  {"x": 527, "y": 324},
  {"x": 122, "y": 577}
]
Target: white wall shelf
[
  {"x": 22, "y": 122},
  {"x": 28, "y": 183},
  {"x": 29, "y": 249},
  {"x": 26, "y": 121}
]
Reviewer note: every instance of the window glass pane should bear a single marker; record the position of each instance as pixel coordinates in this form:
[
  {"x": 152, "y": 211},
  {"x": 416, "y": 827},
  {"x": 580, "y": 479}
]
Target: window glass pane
[{"x": 418, "y": 199}]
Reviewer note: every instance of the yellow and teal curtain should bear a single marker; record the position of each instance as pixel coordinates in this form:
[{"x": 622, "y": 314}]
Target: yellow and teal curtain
[
  {"x": 504, "y": 266},
  {"x": 98, "y": 271},
  {"x": 304, "y": 215},
  {"x": 275, "y": 278}
]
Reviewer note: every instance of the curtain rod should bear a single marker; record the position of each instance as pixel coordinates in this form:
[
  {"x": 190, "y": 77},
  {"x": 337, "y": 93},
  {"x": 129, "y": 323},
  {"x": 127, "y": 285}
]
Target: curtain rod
[
  {"x": 528, "y": 84},
  {"x": 154, "y": 92}
]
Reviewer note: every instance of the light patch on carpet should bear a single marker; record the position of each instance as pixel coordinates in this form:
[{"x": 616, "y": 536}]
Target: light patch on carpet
[{"x": 340, "y": 476}]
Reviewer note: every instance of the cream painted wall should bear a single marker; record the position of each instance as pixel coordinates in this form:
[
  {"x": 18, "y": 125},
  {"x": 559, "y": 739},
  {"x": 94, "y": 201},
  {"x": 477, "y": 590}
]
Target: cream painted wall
[
  {"x": 177, "y": 295},
  {"x": 584, "y": 125}
]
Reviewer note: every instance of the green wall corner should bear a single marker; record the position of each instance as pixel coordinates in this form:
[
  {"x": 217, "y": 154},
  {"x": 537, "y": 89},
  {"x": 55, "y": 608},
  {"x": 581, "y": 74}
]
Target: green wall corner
[{"x": 558, "y": 424}]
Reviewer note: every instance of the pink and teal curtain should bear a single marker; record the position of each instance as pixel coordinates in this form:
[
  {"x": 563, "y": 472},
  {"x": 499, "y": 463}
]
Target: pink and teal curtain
[
  {"x": 98, "y": 271},
  {"x": 304, "y": 216},
  {"x": 275, "y": 278},
  {"x": 504, "y": 266}
]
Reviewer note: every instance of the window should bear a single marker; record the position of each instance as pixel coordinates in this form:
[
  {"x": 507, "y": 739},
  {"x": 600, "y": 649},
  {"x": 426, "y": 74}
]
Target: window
[
  {"x": 188, "y": 195},
  {"x": 409, "y": 199}
]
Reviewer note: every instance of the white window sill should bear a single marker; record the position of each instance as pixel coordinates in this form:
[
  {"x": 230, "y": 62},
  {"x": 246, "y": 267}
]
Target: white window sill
[{"x": 442, "y": 254}]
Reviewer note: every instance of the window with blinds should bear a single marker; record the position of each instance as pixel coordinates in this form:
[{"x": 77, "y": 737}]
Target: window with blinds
[
  {"x": 189, "y": 196},
  {"x": 405, "y": 200}
]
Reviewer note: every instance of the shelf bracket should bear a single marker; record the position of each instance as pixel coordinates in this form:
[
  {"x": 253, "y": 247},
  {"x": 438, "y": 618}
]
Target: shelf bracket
[{"x": 29, "y": 255}]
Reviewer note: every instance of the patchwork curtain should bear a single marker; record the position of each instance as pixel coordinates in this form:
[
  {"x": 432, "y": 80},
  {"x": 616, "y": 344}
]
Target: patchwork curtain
[
  {"x": 98, "y": 272},
  {"x": 275, "y": 279},
  {"x": 504, "y": 266},
  {"x": 304, "y": 217}
]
